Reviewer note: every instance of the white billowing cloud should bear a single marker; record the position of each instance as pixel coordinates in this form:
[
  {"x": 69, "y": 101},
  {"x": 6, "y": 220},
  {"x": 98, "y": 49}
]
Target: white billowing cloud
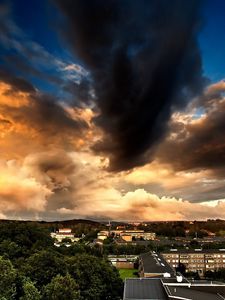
[
  {"x": 198, "y": 185},
  {"x": 141, "y": 205},
  {"x": 88, "y": 190},
  {"x": 18, "y": 191},
  {"x": 77, "y": 185}
]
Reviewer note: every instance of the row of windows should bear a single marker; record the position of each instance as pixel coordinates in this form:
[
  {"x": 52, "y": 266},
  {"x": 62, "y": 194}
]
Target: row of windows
[
  {"x": 193, "y": 255},
  {"x": 197, "y": 261},
  {"x": 212, "y": 266},
  {"x": 171, "y": 256}
]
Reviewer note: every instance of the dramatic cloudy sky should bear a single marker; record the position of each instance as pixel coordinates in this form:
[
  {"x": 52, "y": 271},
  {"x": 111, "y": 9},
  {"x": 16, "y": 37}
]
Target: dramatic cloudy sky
[{"x": 112, "y": 109}]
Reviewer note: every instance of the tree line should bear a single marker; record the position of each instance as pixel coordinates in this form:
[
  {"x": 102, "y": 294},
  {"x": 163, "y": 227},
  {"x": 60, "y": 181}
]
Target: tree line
[{"x": 32, "y": 268}]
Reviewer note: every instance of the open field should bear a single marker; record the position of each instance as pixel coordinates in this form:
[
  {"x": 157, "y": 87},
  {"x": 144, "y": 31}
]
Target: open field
[{"x": 128, "y": 273}]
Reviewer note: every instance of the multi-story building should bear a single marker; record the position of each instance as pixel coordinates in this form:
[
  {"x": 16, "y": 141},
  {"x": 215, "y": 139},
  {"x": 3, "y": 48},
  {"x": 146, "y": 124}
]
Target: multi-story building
[
  {"x": 196, "y": 260},
  {"x": 140, "y": 234},
  {"x": 158, "y": 281},
  {"x": 137, "y": 234},
  {"x": 64, "y": 233},
  {"x": 127, "y": 235},
  {"x": 102, "y": 235}
]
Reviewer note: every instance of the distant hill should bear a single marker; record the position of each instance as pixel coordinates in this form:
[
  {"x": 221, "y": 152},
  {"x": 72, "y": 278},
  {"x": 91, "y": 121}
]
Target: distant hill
[
  {"x": 168, "y": 228},
  {"x": 54, "y": 225},
  {"x": 71, "y": 222},
  {"x": 74, "y": 222}
]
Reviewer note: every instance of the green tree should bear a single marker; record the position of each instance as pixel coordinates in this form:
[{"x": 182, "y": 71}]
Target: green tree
[
  {"x": 91, "y": 235},
  {"x": 30, "y": 292},
  {"x": 9, "y": 249},
  {"x": 96, "y": 278},
  {"x": 7, "y": 279},
  {"x": 108, "y": 240},
  {"x": 62, "y": 288},
  {"x": 28, "y": 237},
  {"x": 42, "y": 266}
]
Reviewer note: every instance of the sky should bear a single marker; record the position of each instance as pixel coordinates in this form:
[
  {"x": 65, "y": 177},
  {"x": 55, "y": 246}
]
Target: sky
[{"x": 112, "y": 110}]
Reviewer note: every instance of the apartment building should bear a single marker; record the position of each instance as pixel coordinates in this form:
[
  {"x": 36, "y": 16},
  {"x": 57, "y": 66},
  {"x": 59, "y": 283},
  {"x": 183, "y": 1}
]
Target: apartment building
[
  {"x": 127, "y": 235},
  {"x": 196, "y": 260},
  {"x": 158, "y": 281},
  {"x": 137, "y": 234}
]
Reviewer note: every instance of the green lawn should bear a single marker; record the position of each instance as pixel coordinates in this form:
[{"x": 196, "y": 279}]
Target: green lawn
[{"x": 128, "y": 273}]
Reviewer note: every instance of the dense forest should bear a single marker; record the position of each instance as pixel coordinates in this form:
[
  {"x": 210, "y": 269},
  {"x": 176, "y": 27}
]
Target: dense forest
[
  {"x": 179, "y": 228},
  {"x": 32, "y": 268}
]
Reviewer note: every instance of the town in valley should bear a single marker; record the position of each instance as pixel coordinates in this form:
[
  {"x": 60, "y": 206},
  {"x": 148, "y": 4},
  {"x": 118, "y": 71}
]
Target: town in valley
[{"x": 132, "y": 260}]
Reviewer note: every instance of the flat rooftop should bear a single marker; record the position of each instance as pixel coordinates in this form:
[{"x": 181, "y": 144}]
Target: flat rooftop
[
  {"x": 190, "y": 293},
  {"x": 154, "y": 263},
  {"x": 162, "y": 289},
  {"x": 144, "y": 289}
]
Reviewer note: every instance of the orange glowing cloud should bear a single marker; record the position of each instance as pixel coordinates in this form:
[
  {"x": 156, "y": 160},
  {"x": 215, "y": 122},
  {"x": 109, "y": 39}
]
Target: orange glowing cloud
[
  {"x": 141, "y": 205},
  {"x": 12, "y": 98},
  {"x": 31, "y": 122},
  {"x": 48, "y": 168},
  {"x": 20, "y": 192}
]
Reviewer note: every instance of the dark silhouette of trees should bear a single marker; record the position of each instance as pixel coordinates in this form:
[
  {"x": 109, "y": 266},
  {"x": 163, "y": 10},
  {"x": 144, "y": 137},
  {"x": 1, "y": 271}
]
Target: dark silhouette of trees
[{"x": 32, "y": 268}]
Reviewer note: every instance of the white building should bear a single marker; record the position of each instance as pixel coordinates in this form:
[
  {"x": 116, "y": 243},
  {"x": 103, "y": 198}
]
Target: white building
[
  {"x": 102, "y": 235},
  {"x": 64, "y": 233}
]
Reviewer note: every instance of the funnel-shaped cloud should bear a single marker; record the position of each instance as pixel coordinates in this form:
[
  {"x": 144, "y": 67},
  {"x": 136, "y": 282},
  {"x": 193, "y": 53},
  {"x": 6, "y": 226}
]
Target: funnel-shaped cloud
[{"x": 144, "y": 61}]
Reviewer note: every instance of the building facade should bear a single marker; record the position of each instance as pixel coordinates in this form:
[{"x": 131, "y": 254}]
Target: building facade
[
  {"x": 64, "y": 233},
  {"x": 196, "y": 260},
  {"x": 127, "y": 235}
]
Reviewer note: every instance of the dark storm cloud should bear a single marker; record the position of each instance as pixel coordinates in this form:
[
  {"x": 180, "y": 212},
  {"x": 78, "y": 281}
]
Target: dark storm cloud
[
  {"x": 16, "y": 83},
  {"x": 81, "y": 92},
  {"x": 145, "y": 63},
  {"x": 199, "y": 144},
  {"x": 50, "y": 113},
  {"x": 52, "y": 168}
]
